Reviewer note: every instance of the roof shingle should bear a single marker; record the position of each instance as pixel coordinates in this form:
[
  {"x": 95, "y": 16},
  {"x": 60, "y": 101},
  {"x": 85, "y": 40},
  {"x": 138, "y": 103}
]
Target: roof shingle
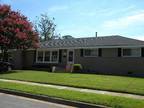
[{"x": 92, "y": 42}]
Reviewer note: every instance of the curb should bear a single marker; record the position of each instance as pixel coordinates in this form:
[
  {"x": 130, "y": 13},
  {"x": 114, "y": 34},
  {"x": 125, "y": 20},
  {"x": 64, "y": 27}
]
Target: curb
[{"x": 52, "y": 99}]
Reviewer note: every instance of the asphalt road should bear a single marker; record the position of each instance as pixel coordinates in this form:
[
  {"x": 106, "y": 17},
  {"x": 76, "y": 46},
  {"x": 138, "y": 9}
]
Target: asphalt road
[{"x": 10, "y": 101}]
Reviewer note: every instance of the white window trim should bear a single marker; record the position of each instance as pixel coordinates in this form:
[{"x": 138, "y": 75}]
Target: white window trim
[
  {"x": 91, "y": 55},
  {"x": 37, "y": 56},
  {"x": 131, "y": 55},
  {"x": 44, "y": 56},
  {"x": 51, "y": 56}
]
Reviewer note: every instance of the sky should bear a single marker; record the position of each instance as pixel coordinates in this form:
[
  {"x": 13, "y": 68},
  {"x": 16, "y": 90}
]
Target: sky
[{"x": 82, "y": 18}]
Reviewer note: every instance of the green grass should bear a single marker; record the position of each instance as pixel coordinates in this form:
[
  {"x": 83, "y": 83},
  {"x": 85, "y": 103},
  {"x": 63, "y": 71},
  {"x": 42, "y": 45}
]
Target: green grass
[
  {"x": 103, "y": 82},
  {"x": 100, "y": 99}
]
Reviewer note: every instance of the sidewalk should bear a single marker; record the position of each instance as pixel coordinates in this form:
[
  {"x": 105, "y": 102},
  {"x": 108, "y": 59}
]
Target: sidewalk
[{"x": 77, "y": 89}]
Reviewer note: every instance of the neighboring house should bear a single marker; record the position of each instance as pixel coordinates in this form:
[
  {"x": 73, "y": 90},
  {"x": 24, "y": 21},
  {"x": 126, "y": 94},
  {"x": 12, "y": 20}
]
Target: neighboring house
[{"x": 107, "y": 55}]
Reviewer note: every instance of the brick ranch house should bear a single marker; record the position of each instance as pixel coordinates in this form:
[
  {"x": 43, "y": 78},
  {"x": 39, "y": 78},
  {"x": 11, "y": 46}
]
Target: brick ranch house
[{"x": 106, "y": 55}]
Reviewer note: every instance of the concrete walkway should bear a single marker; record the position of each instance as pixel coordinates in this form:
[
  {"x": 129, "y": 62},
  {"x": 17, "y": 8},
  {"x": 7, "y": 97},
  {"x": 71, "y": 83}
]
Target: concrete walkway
[{"x": 77, "y": 89}]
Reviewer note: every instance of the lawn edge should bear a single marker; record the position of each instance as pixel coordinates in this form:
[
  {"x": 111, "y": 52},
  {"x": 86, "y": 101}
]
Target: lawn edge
[
  {"x": 51, "y": 99},
  {"x": 116, "y": 91}
]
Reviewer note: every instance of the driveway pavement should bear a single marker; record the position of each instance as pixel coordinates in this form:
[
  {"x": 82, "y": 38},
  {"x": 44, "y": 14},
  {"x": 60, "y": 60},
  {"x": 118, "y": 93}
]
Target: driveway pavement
[{"x": 10, "y": 101}]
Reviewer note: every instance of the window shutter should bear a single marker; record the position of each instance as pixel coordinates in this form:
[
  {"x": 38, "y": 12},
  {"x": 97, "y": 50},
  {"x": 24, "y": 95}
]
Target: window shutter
[
  {"x": 60, "y": 56},
  {"x": 99, "y": 52},
  {"x": 119, "y": 52},
  {"x": 81, "y": 52},
  {"x": 142, "y": 52}
]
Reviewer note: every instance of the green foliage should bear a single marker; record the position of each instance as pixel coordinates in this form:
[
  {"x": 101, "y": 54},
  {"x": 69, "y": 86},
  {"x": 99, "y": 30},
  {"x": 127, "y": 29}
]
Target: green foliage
[
  {"x": 77, "y": 68},
  {"x": 16, "y": 31},
  {"x": 46, "y": 27},
  {"x": 77, "y": 65}
]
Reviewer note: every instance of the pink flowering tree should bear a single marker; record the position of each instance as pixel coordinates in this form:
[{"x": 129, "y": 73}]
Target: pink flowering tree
[{"x": 16, "y": 32}]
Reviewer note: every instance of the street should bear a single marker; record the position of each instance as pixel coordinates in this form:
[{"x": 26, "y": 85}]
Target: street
[{"x": 11, "y": 101}]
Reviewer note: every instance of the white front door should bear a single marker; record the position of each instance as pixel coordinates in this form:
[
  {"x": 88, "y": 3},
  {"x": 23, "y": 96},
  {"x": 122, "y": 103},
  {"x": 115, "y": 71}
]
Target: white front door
[{"x": 70, "y": 56}]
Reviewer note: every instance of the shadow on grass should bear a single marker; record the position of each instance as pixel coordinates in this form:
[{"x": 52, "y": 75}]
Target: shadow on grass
[{"x": 8, "y": 72}]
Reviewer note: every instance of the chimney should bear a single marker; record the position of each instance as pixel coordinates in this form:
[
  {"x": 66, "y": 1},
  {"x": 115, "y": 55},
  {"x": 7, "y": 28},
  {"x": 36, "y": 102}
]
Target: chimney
[{"x": 95, "y": 34}]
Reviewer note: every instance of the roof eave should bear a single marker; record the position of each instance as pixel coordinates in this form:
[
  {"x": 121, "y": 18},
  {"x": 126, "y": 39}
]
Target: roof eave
[{"x": 85, "y": 47}]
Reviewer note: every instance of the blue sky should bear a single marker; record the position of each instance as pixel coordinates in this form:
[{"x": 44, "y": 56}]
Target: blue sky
[{"x": 82, "y": 18}]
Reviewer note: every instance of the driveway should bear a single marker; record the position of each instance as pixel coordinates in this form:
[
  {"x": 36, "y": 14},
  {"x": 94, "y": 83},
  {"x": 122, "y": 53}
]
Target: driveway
[{"x": 10, "y": 101}]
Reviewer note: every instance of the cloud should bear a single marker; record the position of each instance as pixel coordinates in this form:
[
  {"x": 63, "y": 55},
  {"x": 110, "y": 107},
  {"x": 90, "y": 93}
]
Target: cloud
[
  {"x": 78, "y": 30},
  {"x": 57, "y": 8},
  {"x": 139, "y": 37},
  {"x": 125, "y": 22},
  {"x": 106, "y": 11},
  {"x": 128, "y": 9},
  {"x": 92, "y": 13}
]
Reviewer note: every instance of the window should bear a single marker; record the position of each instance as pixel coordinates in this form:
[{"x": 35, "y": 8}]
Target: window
[
  {"x": 131, "y": 52},
  {"x": 91, "y": 52},
  {"x": 47, "y": 56},
  {"x": 127, "y": 52},
  {"x": 40, "y": 56},
  {"x": 54, "y": 56}
]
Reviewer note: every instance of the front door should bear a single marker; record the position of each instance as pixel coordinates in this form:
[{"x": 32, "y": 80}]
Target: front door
[{"x": 70, "y": 56}]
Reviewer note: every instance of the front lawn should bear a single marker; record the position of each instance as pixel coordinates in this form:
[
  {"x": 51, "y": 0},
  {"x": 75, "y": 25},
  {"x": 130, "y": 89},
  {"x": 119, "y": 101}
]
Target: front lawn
[
  {"x": 102, "y": 82},
  {"x": 100, "y": 99}
]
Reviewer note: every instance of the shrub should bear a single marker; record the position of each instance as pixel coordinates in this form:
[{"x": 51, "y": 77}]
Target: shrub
[{"x": 77, "y": 68}]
